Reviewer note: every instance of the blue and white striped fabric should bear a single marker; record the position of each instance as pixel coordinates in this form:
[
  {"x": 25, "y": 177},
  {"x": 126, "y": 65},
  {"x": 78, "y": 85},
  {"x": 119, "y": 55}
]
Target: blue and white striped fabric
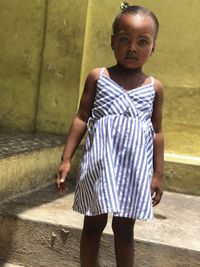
[{"x": 116, "y": 168}]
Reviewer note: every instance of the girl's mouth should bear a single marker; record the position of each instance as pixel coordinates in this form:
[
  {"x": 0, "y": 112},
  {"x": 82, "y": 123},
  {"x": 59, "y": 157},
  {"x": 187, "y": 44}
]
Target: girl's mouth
[{"x": 133, "y": 58}]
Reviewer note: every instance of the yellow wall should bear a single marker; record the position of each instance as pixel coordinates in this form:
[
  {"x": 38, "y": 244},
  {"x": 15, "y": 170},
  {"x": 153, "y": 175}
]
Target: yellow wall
[
  {"x": 61, "y": 69},
  {"x": 21, "y": 35},
  {"x": 41, "y": 45},
  {"x": 48, "y": 46}
]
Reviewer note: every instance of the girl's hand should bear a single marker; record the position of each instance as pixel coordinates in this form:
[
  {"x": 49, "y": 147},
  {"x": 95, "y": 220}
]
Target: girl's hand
[
  {"x": 61, "y": 176},
  {"x": 156, "y": 190}
]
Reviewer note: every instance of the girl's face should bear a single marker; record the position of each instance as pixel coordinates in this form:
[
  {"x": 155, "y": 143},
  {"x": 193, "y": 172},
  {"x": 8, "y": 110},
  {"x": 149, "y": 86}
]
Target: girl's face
[{"x": 134, "y": 40}]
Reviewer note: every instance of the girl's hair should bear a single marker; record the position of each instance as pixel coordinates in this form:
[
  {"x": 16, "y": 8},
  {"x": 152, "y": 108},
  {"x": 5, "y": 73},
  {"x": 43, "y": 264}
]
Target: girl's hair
[{"x": 126, "y": 9}]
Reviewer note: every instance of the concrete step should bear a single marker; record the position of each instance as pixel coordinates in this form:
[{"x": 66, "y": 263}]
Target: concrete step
[
  {"x": 40, "y": 229},
  {"x": 27, "y": 161},
  {"x": 182, "y": 173}
]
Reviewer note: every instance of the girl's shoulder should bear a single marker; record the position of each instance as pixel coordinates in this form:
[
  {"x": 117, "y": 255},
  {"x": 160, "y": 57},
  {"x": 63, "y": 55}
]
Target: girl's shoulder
[
  {"x": 92, "y": 79},
  {"x": 158, "y": 86},
  {"x": 94, "y": 74}
]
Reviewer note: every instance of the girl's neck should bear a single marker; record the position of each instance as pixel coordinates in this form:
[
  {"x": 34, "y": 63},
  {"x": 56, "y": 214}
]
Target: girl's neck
[
  {"x": 126, "y": 78},
  {"x": 125, "y": 71}
]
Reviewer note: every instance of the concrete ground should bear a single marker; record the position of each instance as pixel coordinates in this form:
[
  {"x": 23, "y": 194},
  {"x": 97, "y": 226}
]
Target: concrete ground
[
  {"x": 172, "y": 238},
  {"x": 176, "y": 220}
]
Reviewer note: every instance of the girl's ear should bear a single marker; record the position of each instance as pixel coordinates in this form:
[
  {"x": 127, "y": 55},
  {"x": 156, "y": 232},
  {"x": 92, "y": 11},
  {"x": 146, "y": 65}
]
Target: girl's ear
[
  {"x": 112, "y": 41},
  {"x": 153, "y": 49}
]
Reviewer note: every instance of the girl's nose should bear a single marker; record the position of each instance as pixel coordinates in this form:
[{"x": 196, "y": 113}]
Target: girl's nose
[{"x": 132, "y": 47}]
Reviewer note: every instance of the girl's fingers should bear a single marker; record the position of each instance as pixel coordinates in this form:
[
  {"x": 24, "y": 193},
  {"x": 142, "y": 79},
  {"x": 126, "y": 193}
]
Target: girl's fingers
[
  {"x": 60, "y": 182},
  {"x": 156, "y": 197}
]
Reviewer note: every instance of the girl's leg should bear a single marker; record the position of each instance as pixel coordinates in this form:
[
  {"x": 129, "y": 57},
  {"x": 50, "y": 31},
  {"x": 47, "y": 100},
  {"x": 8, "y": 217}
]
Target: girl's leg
[
  {"x": 124, "y": 243},
  {"x": 91, "y": 234}
]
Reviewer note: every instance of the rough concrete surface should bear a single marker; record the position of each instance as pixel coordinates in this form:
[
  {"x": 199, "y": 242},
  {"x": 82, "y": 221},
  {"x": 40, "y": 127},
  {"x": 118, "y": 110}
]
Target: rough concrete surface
[
  {"x": 40, "y": 229},
  {"x": 27, "y": 161},
  {"x": 182, "y": 178}
]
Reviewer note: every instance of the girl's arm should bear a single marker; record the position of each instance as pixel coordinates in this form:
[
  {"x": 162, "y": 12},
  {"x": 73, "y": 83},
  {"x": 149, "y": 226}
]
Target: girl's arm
[
  {"x": 78, "y": 128},
  {"x": 158, "y": 153}
]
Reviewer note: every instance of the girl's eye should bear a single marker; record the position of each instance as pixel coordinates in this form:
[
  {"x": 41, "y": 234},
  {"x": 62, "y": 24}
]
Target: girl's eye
[
  {"x": 123, "y": 40},
  {"x": 143, "y": 42}
]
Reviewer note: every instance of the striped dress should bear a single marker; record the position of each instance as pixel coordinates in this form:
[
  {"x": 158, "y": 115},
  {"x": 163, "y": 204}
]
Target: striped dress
[{"x": 116, "y": 167}]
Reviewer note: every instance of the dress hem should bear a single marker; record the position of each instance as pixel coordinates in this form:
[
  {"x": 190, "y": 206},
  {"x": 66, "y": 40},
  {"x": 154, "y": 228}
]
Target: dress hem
[{"x": 115, "y": 214}]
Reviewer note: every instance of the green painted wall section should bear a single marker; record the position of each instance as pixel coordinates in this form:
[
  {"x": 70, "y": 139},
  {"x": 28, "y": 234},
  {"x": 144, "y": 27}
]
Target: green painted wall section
[
  {"x": 47, "y": 47},
  {"x": 59, "y": 90},
  {"x": 21, "y": 36},
  {"x": 41, "y": 45}
]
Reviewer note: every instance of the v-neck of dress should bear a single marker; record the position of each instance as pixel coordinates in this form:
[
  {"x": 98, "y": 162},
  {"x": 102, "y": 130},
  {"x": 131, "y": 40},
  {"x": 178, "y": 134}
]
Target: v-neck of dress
[{"x": 131, "y": 90}]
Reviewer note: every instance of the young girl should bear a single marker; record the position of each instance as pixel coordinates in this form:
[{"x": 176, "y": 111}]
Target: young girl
[{"x": 121, "y": 110}]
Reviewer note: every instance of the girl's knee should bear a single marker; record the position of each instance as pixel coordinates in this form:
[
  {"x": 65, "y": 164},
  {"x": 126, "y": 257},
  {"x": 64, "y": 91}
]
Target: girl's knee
[
  {"x": 95, "y": 224},
  {"x": 123, "y": 227}
]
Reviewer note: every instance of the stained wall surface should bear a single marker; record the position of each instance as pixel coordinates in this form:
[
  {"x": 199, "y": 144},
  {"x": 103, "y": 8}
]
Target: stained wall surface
[
  {"x": 21, "y": 37},
  {"x": 41, "y": 45},
  {"x": 47, "y": 47},
  {"x": 62, "y": 58}
]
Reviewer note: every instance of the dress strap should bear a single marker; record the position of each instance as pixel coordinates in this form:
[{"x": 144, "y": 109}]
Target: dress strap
[
  {"x": 101, "y": 71},
  {"x": 152, "y": 79}
]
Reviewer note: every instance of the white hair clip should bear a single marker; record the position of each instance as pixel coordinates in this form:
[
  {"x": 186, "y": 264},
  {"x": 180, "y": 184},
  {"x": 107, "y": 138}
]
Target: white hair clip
[{"x": 123, "y": 6}]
